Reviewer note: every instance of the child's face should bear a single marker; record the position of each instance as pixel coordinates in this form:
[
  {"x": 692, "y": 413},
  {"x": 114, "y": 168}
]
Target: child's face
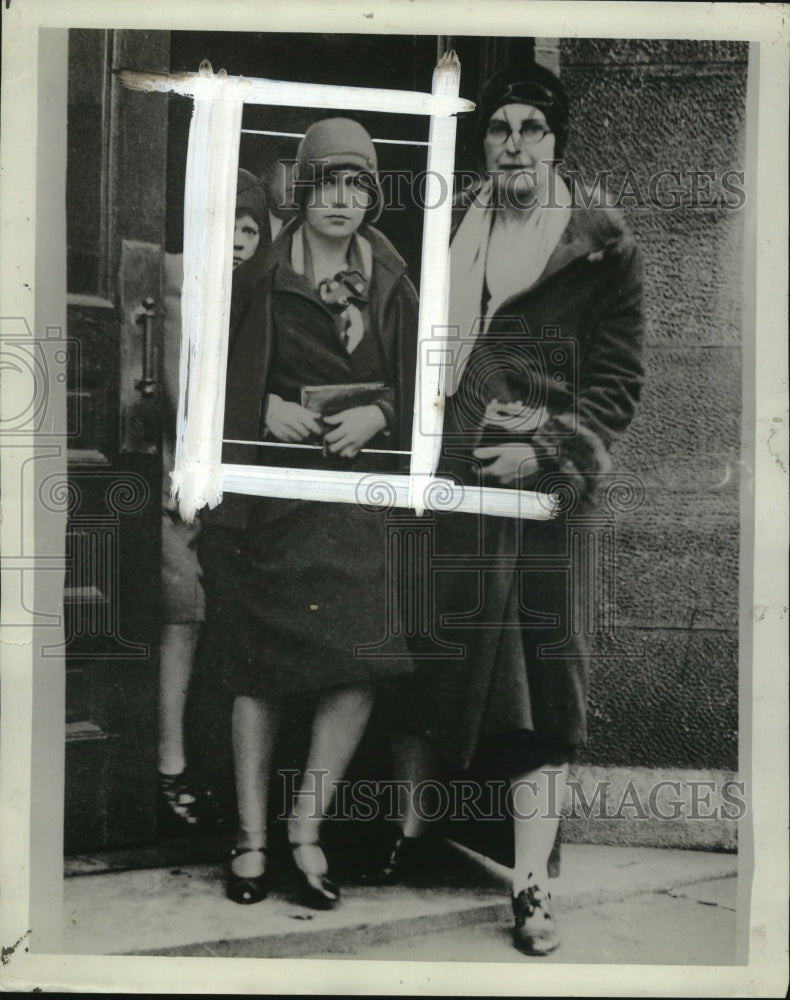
[
  {"x": 246, "y": 238},
  {"x": 336, "y": 207}
]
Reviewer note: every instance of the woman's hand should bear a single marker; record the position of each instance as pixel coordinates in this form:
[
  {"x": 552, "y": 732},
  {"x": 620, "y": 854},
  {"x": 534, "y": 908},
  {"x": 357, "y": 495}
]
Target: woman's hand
[
  {"x": 290, "y": 421},
  {"x": 511, "y": 462},
  {"x": 352, "y": 429},
  {"x": 515, "y": 417}
]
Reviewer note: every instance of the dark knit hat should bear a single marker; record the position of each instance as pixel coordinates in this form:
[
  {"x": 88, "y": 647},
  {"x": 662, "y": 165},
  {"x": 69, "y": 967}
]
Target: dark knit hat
[
  {"x": 333, "y": 143},
  {"x": 533, "y": 84},
  {"x": 251, "y": 196}
]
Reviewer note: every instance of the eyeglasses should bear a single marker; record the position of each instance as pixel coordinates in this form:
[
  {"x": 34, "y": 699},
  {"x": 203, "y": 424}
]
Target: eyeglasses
[{"x": 531, "y": 131}]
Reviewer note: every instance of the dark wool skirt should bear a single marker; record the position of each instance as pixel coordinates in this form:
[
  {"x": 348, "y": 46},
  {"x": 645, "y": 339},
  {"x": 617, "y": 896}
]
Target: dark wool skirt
[{"x": 300, "y": 599}]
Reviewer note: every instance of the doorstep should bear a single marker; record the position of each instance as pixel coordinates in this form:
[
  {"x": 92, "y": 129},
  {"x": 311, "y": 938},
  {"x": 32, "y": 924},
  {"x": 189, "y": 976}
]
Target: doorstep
[{"x": 182, "y": 910}]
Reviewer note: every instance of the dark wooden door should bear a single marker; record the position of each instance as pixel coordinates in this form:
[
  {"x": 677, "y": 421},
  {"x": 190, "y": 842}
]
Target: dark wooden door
[{"x": 117, "y": 148}]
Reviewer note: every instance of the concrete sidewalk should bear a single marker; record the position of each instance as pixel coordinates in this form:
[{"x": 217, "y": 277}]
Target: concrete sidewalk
[
  {"x": 689, "y": 925},
  {"x": 614, "y": 904}
]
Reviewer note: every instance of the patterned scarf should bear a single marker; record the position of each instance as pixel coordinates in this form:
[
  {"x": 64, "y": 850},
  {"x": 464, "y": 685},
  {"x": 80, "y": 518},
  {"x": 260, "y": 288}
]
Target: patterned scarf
[{"x": 346, "y": 294}]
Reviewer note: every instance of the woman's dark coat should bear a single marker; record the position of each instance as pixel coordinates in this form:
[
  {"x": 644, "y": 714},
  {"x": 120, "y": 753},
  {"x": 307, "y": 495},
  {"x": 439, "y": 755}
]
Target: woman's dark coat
[
  {"x": 299, "y": 587},
  {"x": 393, "y": 320},
  {"x": 571, "y": 343}
]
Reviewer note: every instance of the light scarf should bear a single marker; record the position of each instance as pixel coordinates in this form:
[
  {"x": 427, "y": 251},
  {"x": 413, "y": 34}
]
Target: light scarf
[{"x": 507, "y": 266}]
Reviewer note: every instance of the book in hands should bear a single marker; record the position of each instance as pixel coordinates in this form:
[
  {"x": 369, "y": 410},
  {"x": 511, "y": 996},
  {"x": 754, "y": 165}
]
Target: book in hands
[{"x": 331, "y": 399}]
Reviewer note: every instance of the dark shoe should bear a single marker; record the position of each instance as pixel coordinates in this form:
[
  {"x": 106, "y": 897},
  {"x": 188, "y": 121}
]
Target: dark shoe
[
  {"x": 246, "y": 889},
  {"x": 186, "y": 807},
  {"x": 535, "y": 931},
  {"x": 405, "y": 859},
  {"x": 316, "y": 889}
]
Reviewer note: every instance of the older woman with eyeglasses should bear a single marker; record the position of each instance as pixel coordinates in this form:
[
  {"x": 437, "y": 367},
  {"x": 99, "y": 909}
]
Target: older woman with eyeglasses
[{"x": 547, "y": 299}]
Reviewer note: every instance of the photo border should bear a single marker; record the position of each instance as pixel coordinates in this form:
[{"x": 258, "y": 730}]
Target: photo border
[{"x": 30, "y": 782}]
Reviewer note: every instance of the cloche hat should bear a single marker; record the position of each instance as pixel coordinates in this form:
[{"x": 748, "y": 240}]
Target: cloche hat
[{"x": 332, "y": 143}]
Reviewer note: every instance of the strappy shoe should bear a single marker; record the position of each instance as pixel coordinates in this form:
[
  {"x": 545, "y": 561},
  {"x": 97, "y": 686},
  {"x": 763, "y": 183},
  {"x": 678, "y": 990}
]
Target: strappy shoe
[
  {"x": 247, "y": 889},
  {"x": 186, "y": 807},
  {"x": 316, "y": 889},
  {"x": 535, "y": 929},
  {"x": 407, "y": 858}
]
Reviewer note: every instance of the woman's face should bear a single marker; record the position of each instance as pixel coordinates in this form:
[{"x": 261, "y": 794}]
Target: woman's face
[
  {"x": 519, "y": 151},
  {"x": 246, "y": 238},
  {"x": 335, "y": 208}
]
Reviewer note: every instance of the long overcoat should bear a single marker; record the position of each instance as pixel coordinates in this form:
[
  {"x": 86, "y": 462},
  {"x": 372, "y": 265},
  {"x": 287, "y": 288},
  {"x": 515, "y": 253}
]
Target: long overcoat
[{"x": 513, "y": 601}]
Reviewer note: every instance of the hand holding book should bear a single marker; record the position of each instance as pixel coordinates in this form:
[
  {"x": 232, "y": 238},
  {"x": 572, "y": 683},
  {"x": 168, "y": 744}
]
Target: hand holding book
[
  {"x": 350, "y": 410},
  {"x": 352, "y": 429},
  {"x": 509, "y": 462},
  {"x": 289, "y": 421}
]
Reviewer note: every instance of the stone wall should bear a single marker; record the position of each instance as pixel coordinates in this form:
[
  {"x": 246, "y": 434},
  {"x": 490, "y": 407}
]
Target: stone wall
[{"x": 665, "y": 691}]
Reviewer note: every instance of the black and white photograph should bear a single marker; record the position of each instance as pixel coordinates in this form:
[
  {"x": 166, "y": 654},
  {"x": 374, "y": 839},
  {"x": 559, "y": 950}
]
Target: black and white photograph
[{"x": 394, "y": 489}]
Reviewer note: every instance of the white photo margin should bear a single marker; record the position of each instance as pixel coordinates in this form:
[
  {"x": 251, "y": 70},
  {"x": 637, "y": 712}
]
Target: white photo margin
[{"x": 200, "y": 478}]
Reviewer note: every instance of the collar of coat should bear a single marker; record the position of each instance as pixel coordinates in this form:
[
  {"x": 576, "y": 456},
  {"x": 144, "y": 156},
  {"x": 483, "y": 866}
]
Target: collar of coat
[
  {"x": 590, "y": 233},
  {"x": 389, "y": 265}
]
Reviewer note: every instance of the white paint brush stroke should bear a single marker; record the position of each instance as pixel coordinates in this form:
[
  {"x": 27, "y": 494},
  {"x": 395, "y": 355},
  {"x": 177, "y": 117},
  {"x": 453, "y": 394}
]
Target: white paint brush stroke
[
  {"x": 209, "y": 218},
  {"x": 381, "y": 490},
  {"x": 426, "y": 439},
  {"x": 199, "y": 478},
  {"x": 307, "y": 95}
]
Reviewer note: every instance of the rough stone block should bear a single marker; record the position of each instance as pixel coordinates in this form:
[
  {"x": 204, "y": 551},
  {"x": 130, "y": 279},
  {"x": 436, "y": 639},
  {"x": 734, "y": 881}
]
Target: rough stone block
[
  {"x": 690, "y": 406},
  {"x": 633, "y": 119},
  {"x": 681, "y": 52},
  {"x": 669, "y": 698},
  {"x": 677, "y": 563}
]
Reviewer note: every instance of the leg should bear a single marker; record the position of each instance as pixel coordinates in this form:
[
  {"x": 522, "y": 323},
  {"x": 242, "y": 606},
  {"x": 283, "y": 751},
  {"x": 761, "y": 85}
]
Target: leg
[
  {"x": 184, "y": 806},
  {"x": 537, "y": 798},
  {"x": 255, "y": 724},
  {"x": 175, "y": 671},
  {"x": 338, "y": 726},
  {"x": 414, "y": 761},
  {"x": 537, "y": 801}
]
